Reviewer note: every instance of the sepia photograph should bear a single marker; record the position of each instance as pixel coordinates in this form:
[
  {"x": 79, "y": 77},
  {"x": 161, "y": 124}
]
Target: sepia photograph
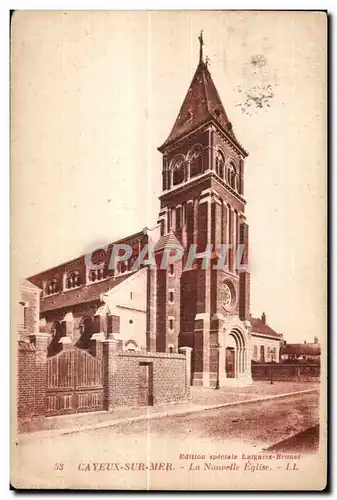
[{"x": 168, "y": 250}]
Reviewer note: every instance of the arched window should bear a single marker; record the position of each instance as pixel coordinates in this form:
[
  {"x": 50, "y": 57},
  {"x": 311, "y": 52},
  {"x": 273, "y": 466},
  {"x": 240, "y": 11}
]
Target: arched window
[
  {"x": 178, "y": 172},
  {"x": 73, "y": 279},
  {"x": 52, "y": 286},
  {"x": 220, "y": 164},
  {"x": 96, "y": 275},
  {"x": 231, "y": 175},
  {"x": 196, "y": 164}
]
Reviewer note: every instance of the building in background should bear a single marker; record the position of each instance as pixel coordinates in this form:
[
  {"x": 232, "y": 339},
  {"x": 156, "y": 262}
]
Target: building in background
[
  {"x": 265, "y": 341},
  {"x": 301, "y": 352}
]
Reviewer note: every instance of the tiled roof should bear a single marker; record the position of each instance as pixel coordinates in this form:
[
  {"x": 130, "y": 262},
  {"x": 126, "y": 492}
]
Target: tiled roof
[
  {"x": 85, "y": 293},
  {"x": 259, "y": 326},
  {"x": 201, "y": 104},
  {"x": 302, "y": 349},
  {"x": 81, "y": 258},
  {"x": 169, "y": 240}
]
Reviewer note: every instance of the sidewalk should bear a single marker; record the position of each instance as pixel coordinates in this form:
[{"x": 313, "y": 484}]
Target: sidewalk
[{"x": 201, "y": 399}]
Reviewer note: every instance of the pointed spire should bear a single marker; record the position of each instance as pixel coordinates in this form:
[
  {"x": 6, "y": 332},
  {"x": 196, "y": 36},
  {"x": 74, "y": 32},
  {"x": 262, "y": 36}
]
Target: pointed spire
[
  {"x": 201, "y": 41},
  {"x": 202, "y": 103}
]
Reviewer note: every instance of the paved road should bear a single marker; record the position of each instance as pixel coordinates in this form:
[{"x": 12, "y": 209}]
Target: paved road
[{"x": 247, "y": 428}]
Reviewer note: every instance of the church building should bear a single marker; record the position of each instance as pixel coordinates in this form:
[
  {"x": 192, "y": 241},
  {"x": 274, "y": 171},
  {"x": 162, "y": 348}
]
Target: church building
[{"x": 160, "y": 310}]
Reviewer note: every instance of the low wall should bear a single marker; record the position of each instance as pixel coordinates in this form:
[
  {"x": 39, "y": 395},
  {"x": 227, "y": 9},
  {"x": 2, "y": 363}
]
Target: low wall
[
  {"x": 121, "y": 382},
  {"x": 169, "y": 379},
  {"x": 280, "y": 371}
]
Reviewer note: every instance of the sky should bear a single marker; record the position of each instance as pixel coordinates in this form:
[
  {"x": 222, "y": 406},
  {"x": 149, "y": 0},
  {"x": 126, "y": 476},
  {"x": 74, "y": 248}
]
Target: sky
[{"x": 95, "y": 93}]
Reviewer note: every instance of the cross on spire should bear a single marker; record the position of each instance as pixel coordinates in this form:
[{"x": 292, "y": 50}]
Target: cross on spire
[{"x": 201, "y": 41}]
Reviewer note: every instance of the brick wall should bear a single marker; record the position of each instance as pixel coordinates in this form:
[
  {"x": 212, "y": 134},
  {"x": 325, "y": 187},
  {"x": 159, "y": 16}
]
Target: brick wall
[
  {"x": 26, "y": 380},
  {"x": 161, "y": 313},
  {"x": 121, "y": 371},
  {"x": 188, "y": 287},
  {"x": 169, "y": 378}
]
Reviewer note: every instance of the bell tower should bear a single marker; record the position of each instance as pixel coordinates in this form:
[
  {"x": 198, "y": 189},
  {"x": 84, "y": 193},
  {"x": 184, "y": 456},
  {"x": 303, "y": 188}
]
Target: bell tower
[{"x": 203, "y": 203}]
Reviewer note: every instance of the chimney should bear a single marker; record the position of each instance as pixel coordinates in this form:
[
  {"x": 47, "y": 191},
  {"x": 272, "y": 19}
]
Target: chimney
[
  {"x": 264, "y": 318},
  {"x": 305, "y": 341}
]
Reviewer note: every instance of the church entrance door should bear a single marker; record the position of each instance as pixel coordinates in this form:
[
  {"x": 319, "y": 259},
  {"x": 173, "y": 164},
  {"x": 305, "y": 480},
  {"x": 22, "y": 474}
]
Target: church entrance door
[{"x": 230, "y": 362}]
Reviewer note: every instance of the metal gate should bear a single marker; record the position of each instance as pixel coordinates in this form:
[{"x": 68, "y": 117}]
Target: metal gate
[{"x": 74, "y": 382}]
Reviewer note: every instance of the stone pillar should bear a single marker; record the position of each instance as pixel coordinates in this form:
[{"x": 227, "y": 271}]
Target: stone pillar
[
  {"x": 187, "y": 353},
  {"x": 40, "y": 340},
  {"x": 109, "y": 369}
]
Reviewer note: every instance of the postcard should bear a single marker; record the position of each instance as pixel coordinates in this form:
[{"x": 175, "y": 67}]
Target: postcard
[{"x": 169, "y": 242}]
